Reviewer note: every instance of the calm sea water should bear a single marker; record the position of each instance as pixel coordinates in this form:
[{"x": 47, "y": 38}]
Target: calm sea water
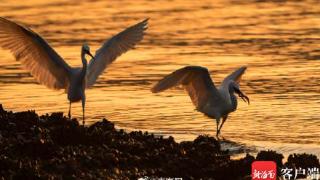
[{"x": 279, "y": 41}]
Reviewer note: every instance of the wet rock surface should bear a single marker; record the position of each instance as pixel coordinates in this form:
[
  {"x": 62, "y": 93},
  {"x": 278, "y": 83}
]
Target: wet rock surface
[{"x": 54, "y": 147}]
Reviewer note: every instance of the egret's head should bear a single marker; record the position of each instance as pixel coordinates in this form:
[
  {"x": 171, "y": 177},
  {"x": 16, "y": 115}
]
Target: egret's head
[
  {"x": 86, "y": 49},
  {"x": 235, "y": 87}
]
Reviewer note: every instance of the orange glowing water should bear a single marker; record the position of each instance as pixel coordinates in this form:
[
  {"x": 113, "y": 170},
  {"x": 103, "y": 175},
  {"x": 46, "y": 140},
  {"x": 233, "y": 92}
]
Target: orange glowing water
[{"x": 278, "y": 41}]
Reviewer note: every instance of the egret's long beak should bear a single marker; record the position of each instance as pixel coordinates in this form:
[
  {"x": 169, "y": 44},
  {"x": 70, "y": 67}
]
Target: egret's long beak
[
  {"x": 89, "y": 53},
  {"x": 242, "y": 95}
]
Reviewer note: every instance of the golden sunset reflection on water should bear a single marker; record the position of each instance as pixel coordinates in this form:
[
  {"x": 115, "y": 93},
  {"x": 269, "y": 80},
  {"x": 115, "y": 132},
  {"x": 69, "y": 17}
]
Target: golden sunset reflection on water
[{"x": 278, "y": 41}]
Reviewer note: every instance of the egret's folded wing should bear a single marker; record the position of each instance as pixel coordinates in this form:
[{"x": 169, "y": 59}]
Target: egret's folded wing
[
  {"x": 195, "y": 79},
  {"x": 113, "y": 48},
  {"x": 34, "y": 53},
  {"x": 234, "y": 76}
]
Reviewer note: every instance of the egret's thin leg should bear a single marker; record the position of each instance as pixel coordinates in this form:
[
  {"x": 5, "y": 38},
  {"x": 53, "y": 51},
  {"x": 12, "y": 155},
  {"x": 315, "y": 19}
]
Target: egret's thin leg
[
  {"x": 83, "y": 106},
  {"x": 69, "y": 114},
  {"x": 218, "y": 121},
  {"x": 223, "y": 120}
]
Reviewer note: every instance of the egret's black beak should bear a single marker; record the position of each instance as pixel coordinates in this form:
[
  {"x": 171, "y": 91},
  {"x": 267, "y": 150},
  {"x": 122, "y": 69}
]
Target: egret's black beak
[
  {"x": 89, "y": 53},
  {"x": 242, "y": 95}
]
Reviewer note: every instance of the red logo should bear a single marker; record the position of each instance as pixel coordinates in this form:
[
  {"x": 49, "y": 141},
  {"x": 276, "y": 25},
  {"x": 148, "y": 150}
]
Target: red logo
[{"x": 264, "y": 170}]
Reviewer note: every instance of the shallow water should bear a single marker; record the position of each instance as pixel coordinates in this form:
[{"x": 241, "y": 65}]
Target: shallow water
[{"x": 277, "y": 40}]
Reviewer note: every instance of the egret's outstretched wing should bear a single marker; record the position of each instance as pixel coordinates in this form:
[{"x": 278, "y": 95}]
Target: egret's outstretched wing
[
  {"x": 234, "y": 76},
  {"x": 113, "y": 48},
  {"x": 195, "y": 79},
  {"x": 35, "y": 54}
]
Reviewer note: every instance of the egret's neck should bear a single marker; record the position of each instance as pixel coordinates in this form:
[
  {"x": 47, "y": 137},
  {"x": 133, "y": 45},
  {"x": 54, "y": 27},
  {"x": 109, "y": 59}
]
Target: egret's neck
[
  {"x": 230, "y": 89},
  {"x": 84, "y": 64},
  {"x": 233, "y": 97}
]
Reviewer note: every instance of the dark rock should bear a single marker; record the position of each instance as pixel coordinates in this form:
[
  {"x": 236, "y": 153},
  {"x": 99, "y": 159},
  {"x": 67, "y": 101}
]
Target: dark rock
[
  {"x": 1, "y": 109},
  {"x": 270, "y": 156},
  {"x": 303, "y": 161},
  {"x": 54, "y": 147}
]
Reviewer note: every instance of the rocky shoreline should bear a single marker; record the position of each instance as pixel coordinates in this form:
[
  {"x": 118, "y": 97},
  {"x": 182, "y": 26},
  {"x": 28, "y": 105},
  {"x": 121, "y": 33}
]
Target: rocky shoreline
[{"x": 54, "y": 147}]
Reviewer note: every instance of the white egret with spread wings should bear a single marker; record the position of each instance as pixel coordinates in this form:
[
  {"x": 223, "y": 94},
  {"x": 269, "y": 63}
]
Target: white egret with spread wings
[
  {"x": 48, "y": 68},
  {"x": 214, "y": 102}
]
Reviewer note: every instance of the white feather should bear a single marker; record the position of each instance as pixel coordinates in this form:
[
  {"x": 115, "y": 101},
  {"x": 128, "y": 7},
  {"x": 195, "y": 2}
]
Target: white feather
[
  {"x": 35, "y": 54},
  {"x": 113, "y": 48}
]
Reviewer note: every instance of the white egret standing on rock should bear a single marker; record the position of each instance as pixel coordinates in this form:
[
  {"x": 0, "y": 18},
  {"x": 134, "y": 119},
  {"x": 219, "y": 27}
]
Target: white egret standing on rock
[
  {"x": 51, "y": 70},
  {"x": 214, "y": 102}
]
